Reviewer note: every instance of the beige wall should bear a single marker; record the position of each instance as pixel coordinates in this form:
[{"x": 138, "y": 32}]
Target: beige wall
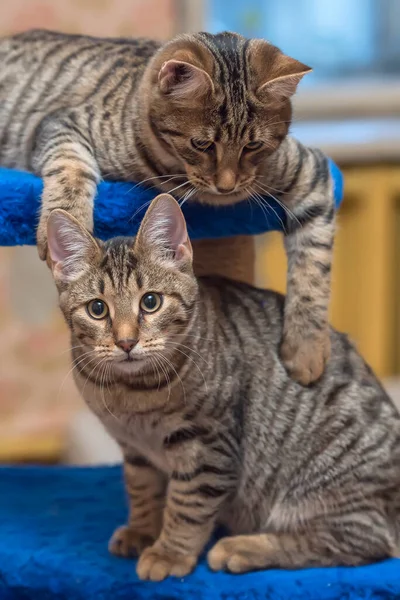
[
  {"x": 154, "y": 18},
  {"x": 37, "y": 396}
]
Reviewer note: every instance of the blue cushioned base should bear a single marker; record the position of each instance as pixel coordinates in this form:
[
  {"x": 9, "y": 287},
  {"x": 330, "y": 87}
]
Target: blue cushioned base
[
  {"x": 54, "y": 528},
  {"x": 119, "y": 208}
]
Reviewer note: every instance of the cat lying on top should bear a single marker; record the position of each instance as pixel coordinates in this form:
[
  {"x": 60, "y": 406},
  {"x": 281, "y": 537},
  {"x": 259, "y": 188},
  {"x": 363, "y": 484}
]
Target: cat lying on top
[
  {"x": 205, "y": 116},
  {"x": 185, "y": 374}
]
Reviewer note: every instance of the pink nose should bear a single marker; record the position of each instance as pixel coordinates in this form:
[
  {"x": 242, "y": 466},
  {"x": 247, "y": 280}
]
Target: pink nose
[
  {"x": 127, "y": 345},
  {"x": 225, "y": 190}
]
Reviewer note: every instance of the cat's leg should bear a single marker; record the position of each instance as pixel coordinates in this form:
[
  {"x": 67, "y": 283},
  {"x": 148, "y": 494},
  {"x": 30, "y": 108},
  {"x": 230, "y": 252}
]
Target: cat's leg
[
  {"x": 304, "y": 180},
  {"x": 188, "y": 522},
  {"x": 195, "y": 496},
  {"x": 64, "y": 158},
  {"x": 145, "y": 487},
  {"x": 357, "y": 539}
]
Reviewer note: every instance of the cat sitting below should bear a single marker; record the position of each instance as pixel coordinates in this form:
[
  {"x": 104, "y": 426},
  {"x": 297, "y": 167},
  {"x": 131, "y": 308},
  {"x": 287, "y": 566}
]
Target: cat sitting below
[{"x": 185, "y": 374}]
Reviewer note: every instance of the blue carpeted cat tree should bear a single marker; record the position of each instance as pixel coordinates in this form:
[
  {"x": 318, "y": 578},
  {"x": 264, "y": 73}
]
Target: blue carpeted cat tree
[
  {"x": 119, "y": 208},
  {"x": 55, "y": 522}
]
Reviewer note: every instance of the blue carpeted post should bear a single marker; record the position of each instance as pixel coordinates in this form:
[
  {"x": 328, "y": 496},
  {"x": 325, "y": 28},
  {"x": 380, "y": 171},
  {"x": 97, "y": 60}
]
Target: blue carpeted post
[{"x": 119, "y": 208}]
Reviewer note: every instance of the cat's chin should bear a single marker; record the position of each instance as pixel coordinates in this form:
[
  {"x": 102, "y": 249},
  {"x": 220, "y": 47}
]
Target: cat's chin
[
  {"x": 206, "y": 197},
  {"x": 130, "y": 367}
]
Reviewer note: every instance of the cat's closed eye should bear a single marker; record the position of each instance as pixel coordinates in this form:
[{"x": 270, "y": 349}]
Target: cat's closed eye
[
  {"x": 97, "y": 309},
  {"x": 252, "y": 146},
  {"x": 151, "y": 302},
  {"x": 202, "y": 144}
]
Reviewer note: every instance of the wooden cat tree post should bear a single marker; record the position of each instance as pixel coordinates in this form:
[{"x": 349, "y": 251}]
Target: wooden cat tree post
[{"x": 232, "y": 257}]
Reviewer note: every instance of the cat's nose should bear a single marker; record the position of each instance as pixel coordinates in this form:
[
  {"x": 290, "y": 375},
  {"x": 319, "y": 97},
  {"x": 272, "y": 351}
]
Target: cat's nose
[
  {"x": 225, "y": 190},
  {"x": 226, "y": 181},
  {"x": 127, "y": 344}
]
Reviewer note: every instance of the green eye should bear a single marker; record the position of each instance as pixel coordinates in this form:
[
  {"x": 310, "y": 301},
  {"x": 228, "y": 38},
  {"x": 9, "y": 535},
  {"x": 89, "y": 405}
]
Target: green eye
[
  {"x": 202, "y": 144},
  {"x": 150, "y": 302},
  {"x": 251, "y": 146},
  {"x": 97, "y": 309}
]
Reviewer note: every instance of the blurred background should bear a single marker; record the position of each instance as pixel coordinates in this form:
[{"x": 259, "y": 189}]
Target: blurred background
[{"x": 349, "y": 106}]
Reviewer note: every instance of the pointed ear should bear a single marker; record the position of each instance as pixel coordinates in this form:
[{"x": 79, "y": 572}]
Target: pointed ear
[
  {"x": 277, "y": 75},
  {"x": 182, "y": 80},
  {"x": 72, "y": 249},
  {"x": 163, "y": 230},
  {"x": 285, "y": 85}
]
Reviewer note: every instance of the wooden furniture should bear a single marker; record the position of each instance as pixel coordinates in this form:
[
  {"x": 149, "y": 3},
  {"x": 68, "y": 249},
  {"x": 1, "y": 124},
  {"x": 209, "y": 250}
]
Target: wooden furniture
[
  {"x": 228, "y": 257},
  {"x": 366, "y": 271},
  {"x": 47, "y": 449}
]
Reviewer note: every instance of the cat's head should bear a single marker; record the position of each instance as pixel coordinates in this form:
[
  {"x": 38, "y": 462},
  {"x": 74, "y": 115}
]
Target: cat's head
[
  {"x": 127, "y": 301},
  {"x": 221, "y": 105}
]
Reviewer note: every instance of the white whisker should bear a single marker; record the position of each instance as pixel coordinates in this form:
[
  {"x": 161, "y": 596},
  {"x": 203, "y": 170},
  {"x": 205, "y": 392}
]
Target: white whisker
[
  {"x": 75, "y": 364},
  {"x": 263, "y": 207},
  {"x": 88, "y": 376},
  {"x": 178, "y": 187},
  {"x": 188, "y": 348},
  {"x": 169, "y": 363},
  {"x": 138, "y": 210},
  {"x": 268, "y": 187},
  {"x": 196, "y": 365},
  {"x": 281, "y": 204},
  {"x": 105, "y": 367},
  {"x": 157, "y": 357},
  {"x": 155, "y": 369},
  {"x": 168, "y": 177},
  {"x": 193, "y": 335},
  {"x": 187, "y": 196},
  {"x": 262, "y": 201}
]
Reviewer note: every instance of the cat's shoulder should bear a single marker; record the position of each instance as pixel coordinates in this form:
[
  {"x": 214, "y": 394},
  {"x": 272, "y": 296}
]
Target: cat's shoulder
[{"x": 241, "y": 290}]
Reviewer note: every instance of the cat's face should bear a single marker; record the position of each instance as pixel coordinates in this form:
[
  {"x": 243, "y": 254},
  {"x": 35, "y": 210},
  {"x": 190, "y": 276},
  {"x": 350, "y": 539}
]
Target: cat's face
[
  {"x": 127, "y": 302},
  {"x": 222, "y": 106}
]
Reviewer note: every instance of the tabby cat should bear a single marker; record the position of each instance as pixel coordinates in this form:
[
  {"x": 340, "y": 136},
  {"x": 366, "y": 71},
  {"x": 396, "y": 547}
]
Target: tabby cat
[
  {"x": 206, "y": 116},
  {"x": 185, "y": 374}
]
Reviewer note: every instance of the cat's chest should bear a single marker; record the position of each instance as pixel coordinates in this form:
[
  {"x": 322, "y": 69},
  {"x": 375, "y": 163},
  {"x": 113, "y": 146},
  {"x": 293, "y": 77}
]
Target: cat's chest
[
  {"x": 137, "y": 421},
  {"x": 144, "y": 435}
]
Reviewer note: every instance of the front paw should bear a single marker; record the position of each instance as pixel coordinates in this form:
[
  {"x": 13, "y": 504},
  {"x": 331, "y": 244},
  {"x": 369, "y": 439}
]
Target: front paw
[
  {"x": 157, "y": 563},
  {"x": 126, "y": 542},
  {"x": 305, "y": 358}
]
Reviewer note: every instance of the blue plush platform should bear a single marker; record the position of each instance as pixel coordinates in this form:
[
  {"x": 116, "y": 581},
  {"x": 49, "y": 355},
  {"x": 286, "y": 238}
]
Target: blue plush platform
[
  {"x": 54, "y": 528},
  {"x": 119, "y": 208}
]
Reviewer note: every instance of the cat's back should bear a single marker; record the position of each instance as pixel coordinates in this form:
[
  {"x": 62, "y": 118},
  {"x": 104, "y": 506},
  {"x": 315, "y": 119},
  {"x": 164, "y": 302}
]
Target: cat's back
[
  {"x": 59, "y": 53},
  {"x": 294, "y": 439},
  {"x": 44, "y": 71},
  {"x": 252, "y": 320},
  {"x": 253, "y": 314},
  {"x": 256, "y": 315}
]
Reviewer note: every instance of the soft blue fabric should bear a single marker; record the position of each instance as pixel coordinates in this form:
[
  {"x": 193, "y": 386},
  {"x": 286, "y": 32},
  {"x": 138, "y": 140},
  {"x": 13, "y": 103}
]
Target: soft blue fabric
[
  {"x": 119, "y": 208},
  {"x": 54, "y": 526}
]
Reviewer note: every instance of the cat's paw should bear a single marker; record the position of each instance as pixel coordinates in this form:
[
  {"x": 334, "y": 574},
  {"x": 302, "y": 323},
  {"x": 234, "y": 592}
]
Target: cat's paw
[
  {"x": 305, "y": 358},
  {"x": 126, "y": 542},
  {"x": 238, "y": 554},
  {"x": 156, "y": 564}
]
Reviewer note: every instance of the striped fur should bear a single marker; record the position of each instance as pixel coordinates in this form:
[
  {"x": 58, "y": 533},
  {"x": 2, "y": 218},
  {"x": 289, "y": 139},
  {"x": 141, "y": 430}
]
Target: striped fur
[
  {"x": 75, "y": 109},
  {"x": 213, "y": 429}
]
